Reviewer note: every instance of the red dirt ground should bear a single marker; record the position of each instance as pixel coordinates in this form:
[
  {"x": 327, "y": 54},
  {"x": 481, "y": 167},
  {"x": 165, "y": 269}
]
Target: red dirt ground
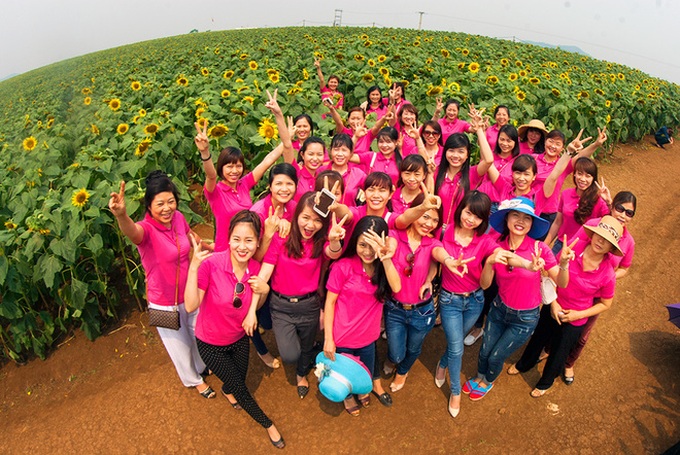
[{"x": 120, "y": 394}]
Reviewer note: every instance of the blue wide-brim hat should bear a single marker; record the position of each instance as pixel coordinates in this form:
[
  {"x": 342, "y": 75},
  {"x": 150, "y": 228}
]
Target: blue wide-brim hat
[
  {"x": 539, "y": 226},
  {"x": 346, "y": 376}
]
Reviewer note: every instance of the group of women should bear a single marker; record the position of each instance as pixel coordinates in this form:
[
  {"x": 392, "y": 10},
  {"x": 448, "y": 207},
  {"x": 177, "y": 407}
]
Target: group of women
[{"x": 416, "y": 234}]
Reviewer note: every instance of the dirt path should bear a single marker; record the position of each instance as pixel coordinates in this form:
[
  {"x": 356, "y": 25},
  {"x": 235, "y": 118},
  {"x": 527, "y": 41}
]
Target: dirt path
[{"x": 121, "y": 394}]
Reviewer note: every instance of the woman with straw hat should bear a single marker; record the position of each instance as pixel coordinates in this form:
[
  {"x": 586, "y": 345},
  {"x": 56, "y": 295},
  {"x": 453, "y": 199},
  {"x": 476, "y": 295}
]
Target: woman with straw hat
[{"x": 532, "y": 137}]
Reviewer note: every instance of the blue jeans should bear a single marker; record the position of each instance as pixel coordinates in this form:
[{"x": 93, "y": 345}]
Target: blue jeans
[
  {"x": 365, "y": 354},
  {"x": 506, "y": 331},
  {"x": 458, "y": 314},
  {"x": 406, "y": 331}
]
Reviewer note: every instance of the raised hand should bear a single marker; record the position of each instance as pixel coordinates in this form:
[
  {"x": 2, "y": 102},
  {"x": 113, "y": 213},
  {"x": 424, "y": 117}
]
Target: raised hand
[
  {"x": 567, "y": 253},
  {"x": 272, "y": 104},
  {"x": 604, "y": 191},
  {"x": 458, "y": 266},
  {"x": 576, "y": 145},
  {"x": 292, "y": 129},
  {"x": 601, "y": 136},
  {"x": 201, "y": 139},
  {"x": 271, "y": 223},
  {"x": 337, "y": 231},
  {"x": 117, "y": 202},
  {"x": 537, "y": 262},
  {"x": 431, "y": 201},
  {"x": 317, "y": 63},
  {"x": 383, "y": 249},
  {"x": 200, "y": 254},
  {"x": 440, "y": 104}
]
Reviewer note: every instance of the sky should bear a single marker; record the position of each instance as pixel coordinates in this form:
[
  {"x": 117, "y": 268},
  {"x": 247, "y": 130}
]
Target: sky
[{"x": 637, "y": 33}]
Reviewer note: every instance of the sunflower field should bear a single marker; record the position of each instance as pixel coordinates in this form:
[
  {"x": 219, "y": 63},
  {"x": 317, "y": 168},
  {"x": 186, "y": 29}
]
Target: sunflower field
[{"x": 71, "y": 131}]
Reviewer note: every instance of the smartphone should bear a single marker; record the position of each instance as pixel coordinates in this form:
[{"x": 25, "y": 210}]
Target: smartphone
[{"x": 326, "y": 199}]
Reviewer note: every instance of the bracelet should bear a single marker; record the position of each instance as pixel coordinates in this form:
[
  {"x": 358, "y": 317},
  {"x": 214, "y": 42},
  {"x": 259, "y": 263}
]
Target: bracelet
[
  {"x": 206, "y": 159},
  {"x": 334, "y": 251},
  {"x": 449, "y": 257},
  {"x": 565, "y": 268}
]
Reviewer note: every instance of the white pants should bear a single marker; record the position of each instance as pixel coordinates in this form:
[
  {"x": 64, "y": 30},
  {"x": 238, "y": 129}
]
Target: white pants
[{"x": 181, "y": 346}]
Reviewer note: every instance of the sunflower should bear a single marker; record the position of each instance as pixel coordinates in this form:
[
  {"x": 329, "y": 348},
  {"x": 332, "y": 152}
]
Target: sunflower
[
  {"x": 416, "y": 44},
  {"x": 546, "y": 75},
  {"x": 512, "y": 77},
  {"x": 87, "y": 101},
  {"x": 252, "y": 65},
  {"x": 465, "y": 52},
  {"x": 521, "y": 95},
  {"x": 492, "y": 80},
  {"x": 30, "y": 143},
  {"x": 151, "y": 129},
  {"x": 522, "y": 73},
  {"x": 445, "y": 53},
  {"x": 607, "y": 103},
  {"x": 599, "y": 91},
  {"x": 142, "y": 112},
  {"x": 305, "y": 74},
  {"x": 371, "y": 62},
  {"x": 114, "y": 104},
  {"x": 608, "y": 118},
  {"x": 518, "y": 64},
  {"x": 384, "y": 71},
  {"x": 122, "y": 128},
  {"x": 382, "y": 58},
  {"x": 50, "y": 121},
  {"x": 95, "y": 129},
  {"x": 621, "y": 76},
  {"x": 454, "y": 87},
  {"x": 474, "y": 67},
  {"x": 205, "y": 71},
  {"x": 218, "y": 130},
  {"x": 225, "y": 93},
  {"x": 268, "y": 130},
  {"x": 294, "y": 90},
  {"x": 368, "y": 77},
  {"x": 367, "y": 43},
  {"x": 535, "y": 80},
  {"x": 142, "y": 147},
  {"x": 135, "y": 85},
  {"x": 434, "y": 90},
  {"x": 429, "y": 61},
  {"x": 183, "y": 81},
  {"x": 583, "y": 94},
  {"x": 358, "y": 57},
  {"x": 555, "y": 92},
  {"x": 199, "y": 112},
  {"x": 228, "y": 74},
  {"x": 80, "y": 198},
  {"x": 505, "y": 62},
  {"x": 249, "y": 99},
  {"x": 202, "y": 122},
  {"x": 461, "y": 65},
  {"x": 86, "y": 91},
  {"x": 243, "y": 56},
  {"x": 9, "y": 225},
  {"x": 363, "y": 37},
  {"x": 275, "y": 78}
]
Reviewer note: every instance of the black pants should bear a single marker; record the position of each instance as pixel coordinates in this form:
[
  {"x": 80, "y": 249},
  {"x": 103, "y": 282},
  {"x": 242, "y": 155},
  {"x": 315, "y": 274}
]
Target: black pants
[{"x": 230, "y": 365}]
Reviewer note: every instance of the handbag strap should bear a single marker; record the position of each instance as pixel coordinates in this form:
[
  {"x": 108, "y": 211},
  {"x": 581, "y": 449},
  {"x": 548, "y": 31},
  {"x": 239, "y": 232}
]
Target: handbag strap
[{"x": 179, "y": 253}]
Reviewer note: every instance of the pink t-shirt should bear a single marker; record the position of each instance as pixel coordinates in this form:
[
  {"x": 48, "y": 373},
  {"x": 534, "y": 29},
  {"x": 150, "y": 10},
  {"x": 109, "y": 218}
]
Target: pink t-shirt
[
  {"x": 160, "y": 258},
  {"x": 544, "y": 169},
  {"x": 225, "y": 202},
  {"x": 306, "y": 181},
  {"x": 626, "y": 243},
  {"x": 568, "y": 205},
  {"x": 422, "y": 258},
  {"x": 219, "y": 322},
  {"x": 504, "y": 167},
  {"x": 335, "y": 96},
  {"x": 492, "y": 135},
  {"x": 376, "y": 162},
  {"x": 449, "y": 128},
  {"x": 293, "y": 276},
  {"x": 481, "y": 247},
  {"x": 262, "y": 207},
  {"x": 452, "y": 193},
  {"x": 585, "y": 286},
  {"x": 353, "y": 178},
  {"x": 357, "y": 312},
  {"x": 520, "y": 289}
]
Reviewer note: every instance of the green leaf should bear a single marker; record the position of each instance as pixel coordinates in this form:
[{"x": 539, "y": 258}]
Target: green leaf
[
  {"x": 78, "y": 293},
  {"x": 49, "y": 266},
  {"x": 4, "y": 267},
  {"x": 95, "y": 243}
]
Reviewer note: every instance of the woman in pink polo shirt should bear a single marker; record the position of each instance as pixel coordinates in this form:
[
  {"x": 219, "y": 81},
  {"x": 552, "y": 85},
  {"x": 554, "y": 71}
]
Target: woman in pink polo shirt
[
  {"x": 591, "y": 275},
  {"x": 413, "y": 174},
  {"x": 282, "y": 189},
  {"x": 387, "y": 159},
  {"x": 162, "y": 239},
  {"x": 378, "y": 190},
  {"x": 430, "y": 145},
  {"x": 329, "y": 91},
  {"x": 311, "y": 158},
  {"x": 532, "y": 137},
  {"x": 504, "y": 154},
  {"x": 374, "y": 103},
  {"x": 502, "y": 116},
  {"x": 450, "y": 123},
  {"x": 356, "y": 129},
  {"x": 353, "y": 177},
  {"x": 357, "y": 287},
  {"x": 303, "y": 129},
  {"x": 226, "y": 288},
  {"x": 294, "y": 266}
]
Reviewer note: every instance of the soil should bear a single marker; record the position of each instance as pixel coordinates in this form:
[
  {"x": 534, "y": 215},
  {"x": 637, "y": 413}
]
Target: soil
[{"x": 120, "y": 394}]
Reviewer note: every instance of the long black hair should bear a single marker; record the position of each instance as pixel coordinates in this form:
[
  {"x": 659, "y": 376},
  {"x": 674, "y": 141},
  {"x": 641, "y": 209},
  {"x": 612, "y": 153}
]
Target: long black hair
[
  {"x": 393, "y": 135},
  {"x": 478, "y": 204},
  {"x": 511, "y": 132},
  {"x": 455, "y": 141},
  {"x": 293, "y": 244}
]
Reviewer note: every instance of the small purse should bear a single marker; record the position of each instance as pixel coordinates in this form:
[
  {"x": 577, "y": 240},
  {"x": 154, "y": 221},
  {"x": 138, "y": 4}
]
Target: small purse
[{"x": 168, "y": 319}]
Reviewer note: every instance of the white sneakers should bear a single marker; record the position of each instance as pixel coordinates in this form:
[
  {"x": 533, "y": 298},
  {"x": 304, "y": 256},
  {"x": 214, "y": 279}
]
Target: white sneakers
[{"x": 471, "y": 339}]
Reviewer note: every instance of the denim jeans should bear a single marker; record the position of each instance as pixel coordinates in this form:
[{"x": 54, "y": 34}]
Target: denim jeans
[
  {"x": 406, "y": 331},
  {"x": 458, "y": 314},
  {"x": 366, "y": 355},
  {"x": 506, "y": 330}
]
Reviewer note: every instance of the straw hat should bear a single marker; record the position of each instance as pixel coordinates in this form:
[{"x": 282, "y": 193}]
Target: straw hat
[
  {"x": 534, "y": 123},
  {"x": 347, "y": 375},
  {"x": 539, "y": 226},
  {"x": 609, "y": 229}
]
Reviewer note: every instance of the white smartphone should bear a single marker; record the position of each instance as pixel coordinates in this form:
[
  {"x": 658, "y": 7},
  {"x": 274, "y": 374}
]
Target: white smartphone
[{"x": 326, "y": 199}]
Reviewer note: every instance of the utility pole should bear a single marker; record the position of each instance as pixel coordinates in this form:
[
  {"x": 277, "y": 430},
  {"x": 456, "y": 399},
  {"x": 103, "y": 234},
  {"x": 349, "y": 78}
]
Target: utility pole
[
  {"x": 420, "y": 21},
  {"x": 337, "y": 21}
]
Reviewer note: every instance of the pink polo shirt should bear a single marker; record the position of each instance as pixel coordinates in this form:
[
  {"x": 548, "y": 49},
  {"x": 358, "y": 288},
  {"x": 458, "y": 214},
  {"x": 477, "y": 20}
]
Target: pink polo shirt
[
  {"x": 410, "y": 286},
  {"x": 262, "y": 207},
  {"x": 520, "y": 289},
  {"x": 409, "y": 146},
  {"x": 293, "y": 276},
  {"x": 544, "y": 170},
  {"x": 452, "y": 193},
  {"x": 481, "y": 247},
  {"x": 504, "y": 167},
  {"x": 160, "y": 258},
  {"x": 524, "y": 148},
  {"x": 363, "y": 144},
  {"x": 379, "y": 164},
  {"x": 360, "y": 212},
  {"x": 356, "y": 322},
  {"x": 492, "y": 135},
  {"x": 626, "y": 243},
  {"x": 353, "y": 178},
  {"x": 335, "y": 96},
  {"x": 225, "y": 202},
  {"x": 399, "y": 205},
  {"x": 306, "y": 180},
  {"x": 568, "y": 205},
  {"x": 506, "y": 191},
  {"x": 218, "y": 322},
  {"x": 585, "y": 286},
  {"x": 378, "y": 111},
  {"x": 449, "y": 128}
]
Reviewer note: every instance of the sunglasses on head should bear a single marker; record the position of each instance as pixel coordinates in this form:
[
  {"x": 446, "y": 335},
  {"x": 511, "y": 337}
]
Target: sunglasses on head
[
  {"x": 621, "y": 209},
  {"x": 238, "y": 290},
  {"x": 410, "y": 260}
]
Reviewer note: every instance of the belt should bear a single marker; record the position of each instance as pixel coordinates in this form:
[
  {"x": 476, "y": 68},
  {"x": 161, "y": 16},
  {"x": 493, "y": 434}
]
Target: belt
[
  {"x": 294, "y": 298},
  {"x": 463, "y": 294},
  {"x": 409, "y": 306}
]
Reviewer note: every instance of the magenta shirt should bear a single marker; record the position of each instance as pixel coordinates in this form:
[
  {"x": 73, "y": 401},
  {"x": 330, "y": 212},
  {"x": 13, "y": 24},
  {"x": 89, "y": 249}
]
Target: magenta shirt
[
  {"x": 293, "y": 276},
  {"x": 492, "y": 135},
  {"x": 363, "y": 144},
  {"x": 306, "y": 181},
  {"x": 262, "y": 206},
  {"x": 568, "y": 205},
  {"x": 225, "y": 202},
  {"x": 506, "y": 191},
  {"x": 399, "y": 205},
  {"x": 524, "y": 148},
  {"x": 481, "y": 247},
  {"x": 360, "y": 212},
  {"x": 356, "y": 322},
  {"x": 160, "y": 258},
  {"x": 626, "y": 243},
  {"x": 520, "y": 289},
  {"x": 452, "y": 193},
  {"x": 353, "y": 178},
  {"x": 449, "y": 128},
  {"x": 337, "y": 97},
  {"x": 504, "y": 166},
  {"x": 218, "y": 322},
  {"x": 584, "y": 286},
  {"x": 544, "y": 170},
  {"x": 409, "y": 146},
  {"x": 380, "y": 164},
  {"x": 378, "y": 111},
  {"x": 410, "y": 286}
]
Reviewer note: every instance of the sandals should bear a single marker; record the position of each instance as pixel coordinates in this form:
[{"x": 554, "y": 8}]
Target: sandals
[
  {"x": 233, "y": 405},
  {"x": 538, "y": 393},
  {"x": 208, "y": 392},
  {"x": 354, "y": 410},
  {"x": 512, "y": 370},
  {"x": 365, "y": 401},
  {"x": 280, "y": 444}
]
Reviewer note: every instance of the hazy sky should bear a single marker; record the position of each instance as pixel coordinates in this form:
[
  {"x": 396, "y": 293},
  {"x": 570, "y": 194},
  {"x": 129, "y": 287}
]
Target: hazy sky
[{"x": 637, "y": 33}]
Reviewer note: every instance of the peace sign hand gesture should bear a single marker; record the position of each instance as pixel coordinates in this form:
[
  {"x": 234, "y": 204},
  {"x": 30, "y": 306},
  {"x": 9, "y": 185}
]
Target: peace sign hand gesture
[
  {"x": 272, "y": 104},
  {"x": 201, "y": 139},
  {"x": 567, "y": 253},
  {"x": 455, "y": 264},
  {"x": 431, "y": 201},
  {"x": 117, "y": 202},
  {"x": 337, "y": 232},
  {"x": 601, "y": 136},
  {"x": 605, "y": 194},
  {"x": 384, "y": 249},
  {"x": 537, "y": 262},
  {"x": 576, "y": 145},
  {"x": 271, "y": 223},
  {"x": 292, "y": 129}
]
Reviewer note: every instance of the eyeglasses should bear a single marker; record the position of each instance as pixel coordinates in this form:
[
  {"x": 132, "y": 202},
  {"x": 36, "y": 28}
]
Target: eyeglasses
[
  {"x": 410, "y": 260},
  {"x": 430, "y": 133},
  {"x": 238, "y": 290},
  {"x": 621, "y": 209}
]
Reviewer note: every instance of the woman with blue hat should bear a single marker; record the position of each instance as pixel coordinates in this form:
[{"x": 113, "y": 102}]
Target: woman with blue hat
[{"x": 514, "y": 313}]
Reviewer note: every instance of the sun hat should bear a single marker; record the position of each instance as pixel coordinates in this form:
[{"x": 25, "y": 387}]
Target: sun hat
[
  {"x": 346, "y": 376},
  {"x": 533, "y": 123},
  {"x": 609, "y": 229},
  {"x": 539, "y": 226}
]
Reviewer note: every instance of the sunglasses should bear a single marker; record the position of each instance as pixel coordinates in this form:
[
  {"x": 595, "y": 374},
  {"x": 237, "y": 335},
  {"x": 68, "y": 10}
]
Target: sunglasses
[
  {"x": 621, "y": 209},
  {"x": 410, "y": 260},
  {"x": 430, "y": 133},
  {"x": 238, "y": 290}
]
